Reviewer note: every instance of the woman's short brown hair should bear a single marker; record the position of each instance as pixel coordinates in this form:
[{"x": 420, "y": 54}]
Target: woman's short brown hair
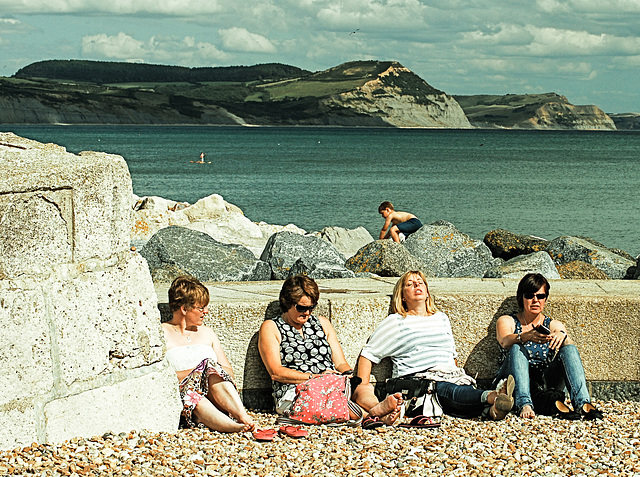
[
  {"x": 188, "y": 292},
  {"x": 294, "y": 288},
  {"x": 398, "y": 304},
  {"x": 531, "y": 283}
]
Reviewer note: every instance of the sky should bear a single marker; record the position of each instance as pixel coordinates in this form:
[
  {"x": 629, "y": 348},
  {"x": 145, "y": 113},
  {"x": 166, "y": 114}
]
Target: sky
[{"x": 586, "y": 50}]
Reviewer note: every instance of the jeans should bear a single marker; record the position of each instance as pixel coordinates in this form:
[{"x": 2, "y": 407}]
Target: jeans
[
  {"x": 565, "y": 370},
  {"x": 460, "y": 400}
]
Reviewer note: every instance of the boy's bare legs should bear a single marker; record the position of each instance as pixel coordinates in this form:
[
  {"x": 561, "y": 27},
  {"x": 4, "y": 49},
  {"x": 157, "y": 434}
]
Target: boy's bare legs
[
  {"x": 388, "y": 410},
  {"x": 394, "y": 233},
  {"x": 225, "y": 397}
]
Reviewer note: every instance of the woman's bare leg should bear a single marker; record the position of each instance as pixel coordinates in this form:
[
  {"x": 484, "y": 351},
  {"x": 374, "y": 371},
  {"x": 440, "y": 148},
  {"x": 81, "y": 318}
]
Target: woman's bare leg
[
  {"x": 225, "y": 397},
  {"x": 209, "y": 415}
]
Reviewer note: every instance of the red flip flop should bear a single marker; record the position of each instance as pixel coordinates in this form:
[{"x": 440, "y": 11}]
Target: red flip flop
[
  {"x": 264, "y": 434},
  {"x": 293, "y": 431}
]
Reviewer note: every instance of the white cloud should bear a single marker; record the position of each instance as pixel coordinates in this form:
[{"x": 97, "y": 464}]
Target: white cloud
[
  {"x": 240, "y": 39},
  {"x": 164, "y": 49}
]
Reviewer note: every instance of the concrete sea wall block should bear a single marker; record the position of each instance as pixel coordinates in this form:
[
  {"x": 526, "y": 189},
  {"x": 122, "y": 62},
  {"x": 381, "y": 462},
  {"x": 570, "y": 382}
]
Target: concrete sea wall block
[{"x": 81, "y": 346}]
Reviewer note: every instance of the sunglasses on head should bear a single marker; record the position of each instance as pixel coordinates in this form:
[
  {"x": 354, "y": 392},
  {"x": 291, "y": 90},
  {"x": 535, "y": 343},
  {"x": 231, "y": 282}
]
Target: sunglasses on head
[
  {"x": 303, "y": 309},
  {"x": 539, "y": 296}
]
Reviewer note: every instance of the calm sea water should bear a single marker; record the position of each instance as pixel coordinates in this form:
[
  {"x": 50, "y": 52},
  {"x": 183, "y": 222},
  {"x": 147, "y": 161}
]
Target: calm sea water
[{"x": 545, "y": 183}]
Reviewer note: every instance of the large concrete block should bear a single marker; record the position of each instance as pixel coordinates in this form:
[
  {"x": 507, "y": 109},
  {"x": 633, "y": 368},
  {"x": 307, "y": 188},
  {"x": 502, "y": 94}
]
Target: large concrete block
[
  {"x": 81, "y": 345},
  {"x": 130, "y": 401},
  {"x": 57, "y": 207}
]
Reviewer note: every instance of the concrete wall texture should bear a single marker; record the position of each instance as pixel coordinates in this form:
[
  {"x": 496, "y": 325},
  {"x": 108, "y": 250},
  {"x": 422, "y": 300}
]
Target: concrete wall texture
[
  {"x": 603, "y": 318},
  {"x": 80, "y": 343}
]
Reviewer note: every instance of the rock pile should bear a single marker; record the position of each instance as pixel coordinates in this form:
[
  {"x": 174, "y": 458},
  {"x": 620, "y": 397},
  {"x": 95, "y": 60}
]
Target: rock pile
[{"x": 214, "y": 241}]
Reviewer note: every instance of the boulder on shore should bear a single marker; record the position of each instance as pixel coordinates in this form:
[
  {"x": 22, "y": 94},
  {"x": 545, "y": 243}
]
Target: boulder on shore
[
  {"x": 319, "y": 270},
  {"x": 385, "y": 258},
  {"x": 567, "y": 249},
  {"x": 506, "y": 245},
  {"x": 175, "y": 251},
  {"x": 448, "y": 252},
  {"x": 578, "y": 270},
  {"x": 517, "y": 267},
  {"x": 347, "y": 241},
  {"x": 283, "y": 250}
]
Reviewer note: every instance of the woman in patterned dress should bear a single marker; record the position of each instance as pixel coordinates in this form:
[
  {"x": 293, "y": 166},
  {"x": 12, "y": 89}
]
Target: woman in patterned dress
[
  {"x": 297, "y": 346},
  {"x": 207, "y": 390}
]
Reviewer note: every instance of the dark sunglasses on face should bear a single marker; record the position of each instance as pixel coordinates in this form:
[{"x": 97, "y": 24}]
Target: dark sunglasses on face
[
  {"x": 303, "y": 309},
  {"x": 539, "y": 296}
]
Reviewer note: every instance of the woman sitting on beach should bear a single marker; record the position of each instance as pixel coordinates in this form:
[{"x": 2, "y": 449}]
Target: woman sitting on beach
[
  {"x": 297, "y": 346},
  {"x": 207, "y": 390},
  {"x": 536, "y": 350},
  {"x": 418, "y": 338}
]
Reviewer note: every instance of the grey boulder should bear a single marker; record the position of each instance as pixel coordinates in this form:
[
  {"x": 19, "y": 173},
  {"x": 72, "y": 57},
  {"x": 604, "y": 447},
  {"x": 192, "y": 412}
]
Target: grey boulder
[
  {"x": 567, "y": 249},
  {"x": 385, "y": 258},
  {"x": 517, "y": 267},
  {"x": 317, "y": 270},
  {"x": 448, "y": 252},
  {"x": 175, "y": 251},
  {"x": 283, "y": 249},
  {"x": 347, "y": 241},
  {"x": 507, "y": 245}
]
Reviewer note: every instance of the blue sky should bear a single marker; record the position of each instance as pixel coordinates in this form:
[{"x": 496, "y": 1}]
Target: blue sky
[{"x": 586, "y": 50}]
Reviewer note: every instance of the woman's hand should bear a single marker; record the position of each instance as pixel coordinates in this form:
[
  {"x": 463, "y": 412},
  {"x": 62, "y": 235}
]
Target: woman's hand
[{"x": 534, "y": 336}]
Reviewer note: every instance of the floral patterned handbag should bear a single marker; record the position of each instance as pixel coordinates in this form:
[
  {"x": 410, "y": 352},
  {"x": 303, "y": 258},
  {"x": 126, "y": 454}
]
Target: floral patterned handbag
[{"x": 323, "y": 399}]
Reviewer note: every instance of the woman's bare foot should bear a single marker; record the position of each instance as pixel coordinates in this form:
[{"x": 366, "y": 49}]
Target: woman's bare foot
[
  {"x": 388, "y": 410},
  {"x": 527, "y": 412},
  {"x": 390, "y": 404}
]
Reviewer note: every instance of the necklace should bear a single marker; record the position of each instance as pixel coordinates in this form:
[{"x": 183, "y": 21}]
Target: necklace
[{"x": 186, "y": 336}]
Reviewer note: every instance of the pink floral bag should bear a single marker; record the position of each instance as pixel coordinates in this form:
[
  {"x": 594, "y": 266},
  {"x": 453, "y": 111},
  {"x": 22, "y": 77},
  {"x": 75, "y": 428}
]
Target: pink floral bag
[{"x": 322, "y": 400}]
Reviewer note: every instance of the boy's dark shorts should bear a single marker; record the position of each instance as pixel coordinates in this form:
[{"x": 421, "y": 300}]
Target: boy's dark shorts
[{"x": 409, "y": 226}]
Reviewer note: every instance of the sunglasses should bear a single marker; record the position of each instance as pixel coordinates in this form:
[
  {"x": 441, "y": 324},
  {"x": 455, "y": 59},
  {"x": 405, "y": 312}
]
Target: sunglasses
[
  {"x": 303, "y": 309},
  {"x": 539, "y": 296}
]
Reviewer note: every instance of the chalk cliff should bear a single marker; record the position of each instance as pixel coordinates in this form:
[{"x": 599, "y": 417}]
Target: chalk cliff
[
  {"x": 532, "y": 111},
  {"x": 400, "y": 98}
]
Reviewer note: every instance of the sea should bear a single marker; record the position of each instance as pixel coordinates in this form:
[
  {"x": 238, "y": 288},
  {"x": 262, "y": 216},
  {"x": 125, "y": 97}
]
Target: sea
[{"x": 541, "y": 183}]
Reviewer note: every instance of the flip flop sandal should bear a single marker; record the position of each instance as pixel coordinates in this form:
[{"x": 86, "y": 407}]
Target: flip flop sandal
[
  {"x": 264, "y": 435},
  {"x": 372, "y": 422},
  {"x": 293, "y": 431},
  {"x": 421, "y": 422}
]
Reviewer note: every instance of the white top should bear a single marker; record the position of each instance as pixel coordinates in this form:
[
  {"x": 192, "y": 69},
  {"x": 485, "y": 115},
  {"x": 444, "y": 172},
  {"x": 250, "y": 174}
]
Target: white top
[
  {"x": 182, "y": 358},
  {"x": 414, "y": 343}
]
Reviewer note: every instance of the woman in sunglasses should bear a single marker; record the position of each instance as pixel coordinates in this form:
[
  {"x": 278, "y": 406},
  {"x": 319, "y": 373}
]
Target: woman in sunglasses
[
  {"x": 297, "y": 346},
  {"x": 540, "y": 355}
]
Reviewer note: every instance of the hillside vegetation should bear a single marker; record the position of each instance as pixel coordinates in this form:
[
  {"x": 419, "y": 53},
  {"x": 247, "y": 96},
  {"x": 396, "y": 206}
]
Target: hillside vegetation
[{"x": 357, "y": 93}]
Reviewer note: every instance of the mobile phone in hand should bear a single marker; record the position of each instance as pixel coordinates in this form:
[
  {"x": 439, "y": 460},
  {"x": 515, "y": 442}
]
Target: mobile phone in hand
[{"x": 542, "y": 330}]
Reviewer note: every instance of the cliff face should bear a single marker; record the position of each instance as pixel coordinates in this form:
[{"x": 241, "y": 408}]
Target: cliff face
[
  {"x": 568, "y": 116},
  {"x": 532, "y": 111},
  {"x": 361, "y": 93},
  {"x": 386, "y": 98}
]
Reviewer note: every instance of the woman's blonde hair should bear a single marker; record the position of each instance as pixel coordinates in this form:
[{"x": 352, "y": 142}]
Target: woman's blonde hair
[{"x": 398, "y": 304}]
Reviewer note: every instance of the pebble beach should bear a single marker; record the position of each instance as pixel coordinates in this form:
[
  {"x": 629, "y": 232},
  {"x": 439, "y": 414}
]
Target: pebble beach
[{"x": 543, "y": 446}]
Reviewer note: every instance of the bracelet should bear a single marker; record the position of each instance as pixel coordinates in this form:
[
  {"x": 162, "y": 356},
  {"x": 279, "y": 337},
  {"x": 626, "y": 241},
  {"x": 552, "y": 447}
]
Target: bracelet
[{"x": 519, "y": 338}]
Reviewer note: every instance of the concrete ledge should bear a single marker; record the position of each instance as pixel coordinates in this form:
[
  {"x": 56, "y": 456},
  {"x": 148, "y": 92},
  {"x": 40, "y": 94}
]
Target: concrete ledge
[{"x": 603, "y": 318}]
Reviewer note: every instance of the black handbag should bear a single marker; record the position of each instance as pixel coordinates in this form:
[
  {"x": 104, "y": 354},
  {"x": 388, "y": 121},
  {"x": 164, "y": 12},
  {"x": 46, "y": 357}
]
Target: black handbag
[{"x": 419, "y": 395}]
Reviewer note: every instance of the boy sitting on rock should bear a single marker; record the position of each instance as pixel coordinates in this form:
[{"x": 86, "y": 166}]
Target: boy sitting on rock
[{"x": 402, "y": 222}]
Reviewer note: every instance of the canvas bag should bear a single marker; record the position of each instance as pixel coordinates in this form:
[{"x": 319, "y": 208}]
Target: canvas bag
[{"x": 323, "y": 399}]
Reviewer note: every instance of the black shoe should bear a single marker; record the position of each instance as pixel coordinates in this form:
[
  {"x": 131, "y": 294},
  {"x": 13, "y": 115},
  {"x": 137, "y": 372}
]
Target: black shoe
[
  {"x": 565, "y": 412},
  {"x": 590, "y": 413}
]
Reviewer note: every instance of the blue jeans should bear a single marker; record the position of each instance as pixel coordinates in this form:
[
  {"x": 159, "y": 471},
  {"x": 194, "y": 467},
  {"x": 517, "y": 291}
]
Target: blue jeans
[
  {"x": 460, "y": 401},
  {"x": 565, "y": 371}
]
